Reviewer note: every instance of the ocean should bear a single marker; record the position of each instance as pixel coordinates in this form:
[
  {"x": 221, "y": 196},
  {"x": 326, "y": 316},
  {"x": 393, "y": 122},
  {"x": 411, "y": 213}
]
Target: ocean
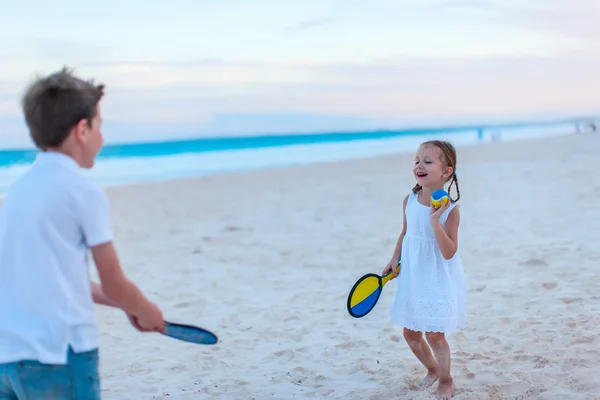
[{"x": 121, "y": 164}]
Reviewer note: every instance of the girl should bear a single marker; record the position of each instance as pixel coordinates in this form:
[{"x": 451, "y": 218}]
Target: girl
[{"x": 430, "y": 294}]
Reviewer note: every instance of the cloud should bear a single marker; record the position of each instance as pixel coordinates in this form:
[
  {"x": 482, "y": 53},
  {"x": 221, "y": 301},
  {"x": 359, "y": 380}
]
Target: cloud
[
  {"x": 190, "y": 63},
  {"x": 10, "y": 97},
  {"x": 193, "y": 93},
  {"x": 554, "y": 17},
  {"x": 206, "y": 96},
  {"x": 13, "y": 132},
  {"x": 475, "y": 4},
  {"x": 309, "y": 24},
  {"x": 288, "y": 122},
  {"x": 387, "y": 90},
  {"x": 341, "y": 63},
  {"x": 50, "y": 51},
  {"x": 60, "y": 49}
]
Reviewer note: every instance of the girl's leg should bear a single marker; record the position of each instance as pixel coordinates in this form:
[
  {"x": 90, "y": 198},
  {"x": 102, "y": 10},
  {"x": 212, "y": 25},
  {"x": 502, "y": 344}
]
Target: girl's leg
[
  {"x": 439, "y": 345},
  {"x": 423, "y": 353}
]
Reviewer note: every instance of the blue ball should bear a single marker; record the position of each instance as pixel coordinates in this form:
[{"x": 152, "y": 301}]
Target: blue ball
[{"x": 439, "y": 197}]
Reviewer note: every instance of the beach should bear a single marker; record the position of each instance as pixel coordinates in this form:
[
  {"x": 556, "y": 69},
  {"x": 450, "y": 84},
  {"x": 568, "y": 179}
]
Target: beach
[{"x": 265, "y": 259}]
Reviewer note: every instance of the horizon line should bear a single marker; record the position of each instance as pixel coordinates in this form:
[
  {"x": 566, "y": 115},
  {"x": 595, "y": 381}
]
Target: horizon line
[{"x": 409, "y": 128}]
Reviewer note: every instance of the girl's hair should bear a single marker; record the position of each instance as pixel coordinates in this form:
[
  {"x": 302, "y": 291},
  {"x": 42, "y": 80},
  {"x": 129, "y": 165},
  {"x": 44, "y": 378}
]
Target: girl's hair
[{"x": 449, "y": 160}]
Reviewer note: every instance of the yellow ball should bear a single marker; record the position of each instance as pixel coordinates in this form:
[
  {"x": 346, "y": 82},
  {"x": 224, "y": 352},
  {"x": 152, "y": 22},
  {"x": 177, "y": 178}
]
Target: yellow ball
[{"x": 439, "y": 198}]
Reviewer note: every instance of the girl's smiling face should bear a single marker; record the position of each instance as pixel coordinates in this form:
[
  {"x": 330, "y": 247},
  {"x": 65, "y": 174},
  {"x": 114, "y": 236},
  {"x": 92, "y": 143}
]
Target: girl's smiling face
[{"x": 429, "y": 170}]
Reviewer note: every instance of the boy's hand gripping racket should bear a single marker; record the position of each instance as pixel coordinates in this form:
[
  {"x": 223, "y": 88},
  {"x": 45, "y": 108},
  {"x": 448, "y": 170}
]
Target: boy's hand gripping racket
[{"x": 365, "y": 293}]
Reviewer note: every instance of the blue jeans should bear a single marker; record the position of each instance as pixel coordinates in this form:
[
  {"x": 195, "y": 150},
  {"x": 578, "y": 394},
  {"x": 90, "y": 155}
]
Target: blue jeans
[{"x": 31, "y": 380}]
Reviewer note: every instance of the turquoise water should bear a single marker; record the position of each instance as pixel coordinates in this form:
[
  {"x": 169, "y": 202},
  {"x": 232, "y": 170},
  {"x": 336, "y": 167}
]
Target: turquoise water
[
  {"x": 143, "y": 162},
  {"x": 169, "y": 148}
]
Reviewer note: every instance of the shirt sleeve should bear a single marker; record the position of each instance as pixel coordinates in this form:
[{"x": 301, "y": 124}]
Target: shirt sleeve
[{"x": 96, "y": 222}]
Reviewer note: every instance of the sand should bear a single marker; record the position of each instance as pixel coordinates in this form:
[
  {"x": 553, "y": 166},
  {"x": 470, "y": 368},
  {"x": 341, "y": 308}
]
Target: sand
[{"x": 266, "y": 260}]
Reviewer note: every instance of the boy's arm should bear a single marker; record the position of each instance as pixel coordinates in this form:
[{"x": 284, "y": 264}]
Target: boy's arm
[
  {"x": 115, "y": 287},
  {"x": 100, "y": 297},
  {"x": 94, "y": 213},
  {"x": 96, "y": 225}
]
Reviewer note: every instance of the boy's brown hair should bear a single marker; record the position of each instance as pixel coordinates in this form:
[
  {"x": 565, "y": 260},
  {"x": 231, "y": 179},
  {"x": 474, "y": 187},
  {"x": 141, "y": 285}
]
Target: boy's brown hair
[
  {"x": 54, "y": 104},
  {"x": 449, "y": 160}
]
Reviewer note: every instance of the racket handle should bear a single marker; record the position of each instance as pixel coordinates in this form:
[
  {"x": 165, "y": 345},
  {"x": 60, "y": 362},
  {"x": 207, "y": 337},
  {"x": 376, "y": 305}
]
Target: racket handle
[{"x": 388, "y": 277}]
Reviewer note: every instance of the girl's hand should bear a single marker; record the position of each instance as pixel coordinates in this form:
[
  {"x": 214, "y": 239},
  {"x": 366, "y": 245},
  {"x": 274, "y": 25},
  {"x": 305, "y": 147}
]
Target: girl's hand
[
  {"x": 391, "y": 266},
  {"x": 436, "y": 213}
]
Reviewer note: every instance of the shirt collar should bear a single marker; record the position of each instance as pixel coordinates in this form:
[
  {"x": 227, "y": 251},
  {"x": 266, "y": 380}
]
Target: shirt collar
[{"x": 55, "y": 157}]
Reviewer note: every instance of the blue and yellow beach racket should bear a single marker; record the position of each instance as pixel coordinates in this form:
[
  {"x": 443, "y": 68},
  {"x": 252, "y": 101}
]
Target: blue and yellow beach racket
[
  {"x": 189, "y": 333},
  {"x": 365, "y": 293}
]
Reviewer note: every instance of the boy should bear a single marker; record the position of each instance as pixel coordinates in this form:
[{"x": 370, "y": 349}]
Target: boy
[{"x": 50, "y": 218}]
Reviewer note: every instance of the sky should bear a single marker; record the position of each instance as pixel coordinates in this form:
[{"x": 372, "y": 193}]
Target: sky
[{"x": 227, "y": 67}]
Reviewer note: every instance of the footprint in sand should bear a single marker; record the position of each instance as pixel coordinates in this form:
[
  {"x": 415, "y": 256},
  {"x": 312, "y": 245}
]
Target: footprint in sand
[
  {"x": 585, "y": 339},
  {"x": 542, "y": 362},
  {"x": 139, "y": 370},
  {"x": 289, "y": 354},
  {"x": 569, "y": 300},
  {"x": 178, "y": 368},
  {"x": 348, "y": 345},
  {"x": 548, "y": 285},
  {"x": 330, "y": 353},
  {"x": 478, "y": 356},
  {"x": 534, "y": 392},
  {"x": 469, "y": 375},
  {"x": 534, "y": 262}
]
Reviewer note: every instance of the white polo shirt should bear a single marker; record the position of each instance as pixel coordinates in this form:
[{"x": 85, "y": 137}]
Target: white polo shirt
[{"x": 49, "y": 218}]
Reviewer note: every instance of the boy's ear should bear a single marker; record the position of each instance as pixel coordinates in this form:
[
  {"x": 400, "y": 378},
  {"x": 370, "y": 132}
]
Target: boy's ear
[{"x": 80, "y": 130}]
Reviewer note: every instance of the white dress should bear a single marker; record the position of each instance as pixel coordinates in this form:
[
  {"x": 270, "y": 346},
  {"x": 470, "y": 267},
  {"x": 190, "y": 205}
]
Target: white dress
[{"x": 430, "y": 291}]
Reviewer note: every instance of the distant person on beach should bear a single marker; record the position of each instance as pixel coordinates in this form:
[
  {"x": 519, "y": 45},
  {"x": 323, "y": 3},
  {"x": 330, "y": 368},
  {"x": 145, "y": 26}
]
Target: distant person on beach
[
  {"x": 480, "y": 134},
  {"x": 591, "y": 125},
  {"x": 51, "y": 217},
  {"x": 431, "y": 290}
]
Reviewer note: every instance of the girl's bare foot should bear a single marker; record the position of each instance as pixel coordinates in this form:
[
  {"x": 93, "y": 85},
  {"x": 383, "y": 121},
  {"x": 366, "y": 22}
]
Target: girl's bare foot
[
  {"x": 423, "y": 352},
  {"x": 432, "y": 375},
  {"x": 445, "y": 389}
]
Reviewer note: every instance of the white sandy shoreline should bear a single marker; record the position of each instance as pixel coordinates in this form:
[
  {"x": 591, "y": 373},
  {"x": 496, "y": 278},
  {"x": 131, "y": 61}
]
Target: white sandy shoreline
[{"x": 266, "y": 259}]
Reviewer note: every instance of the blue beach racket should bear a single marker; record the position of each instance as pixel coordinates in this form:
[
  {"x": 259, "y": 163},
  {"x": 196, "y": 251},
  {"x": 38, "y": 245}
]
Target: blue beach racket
[
  {"x": 365, "y": 293},
  {"x": 189, "y": 333}
]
